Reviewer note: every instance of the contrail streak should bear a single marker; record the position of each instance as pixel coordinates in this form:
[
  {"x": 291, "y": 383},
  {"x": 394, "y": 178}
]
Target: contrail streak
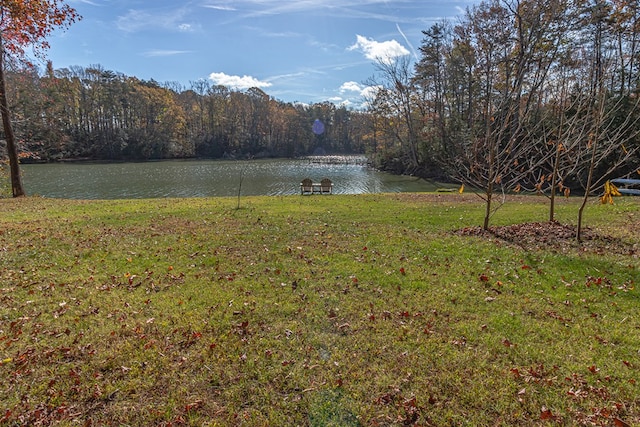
[{"x": 415, "y": 55}]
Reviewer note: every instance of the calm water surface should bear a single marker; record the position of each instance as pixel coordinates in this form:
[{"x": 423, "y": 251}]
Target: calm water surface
[{"x": 205, "y": 178}]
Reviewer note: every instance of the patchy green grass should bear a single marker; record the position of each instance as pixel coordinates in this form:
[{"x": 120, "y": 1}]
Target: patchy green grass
[{"x": 321, "y": 311}]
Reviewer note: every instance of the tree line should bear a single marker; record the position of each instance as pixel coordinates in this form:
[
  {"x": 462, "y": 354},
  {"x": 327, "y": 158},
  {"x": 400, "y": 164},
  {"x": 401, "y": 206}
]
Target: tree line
[
  {"x": 94, "y": 113},
  {"x": 537, "y": 95}
]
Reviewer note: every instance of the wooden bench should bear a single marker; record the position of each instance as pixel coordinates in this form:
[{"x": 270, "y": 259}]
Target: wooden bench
[
  {"x": 627, "y": 182},
  {"x": 309, "y": 187}
]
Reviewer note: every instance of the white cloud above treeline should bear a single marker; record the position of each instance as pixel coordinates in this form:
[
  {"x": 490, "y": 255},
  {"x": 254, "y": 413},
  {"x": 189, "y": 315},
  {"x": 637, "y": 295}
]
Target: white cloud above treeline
[
  {"x": 356, "y": 95},
  {"x": 237, "y": 82},
  {"x": 162, "y": 52},
  {"x": 374, "y": 50},
  {"x": 223, "y": 7},
  {"x": 145, "y": 20},
  {"x": 362, "y": 90},
  {"x": 350, "y": 87}
]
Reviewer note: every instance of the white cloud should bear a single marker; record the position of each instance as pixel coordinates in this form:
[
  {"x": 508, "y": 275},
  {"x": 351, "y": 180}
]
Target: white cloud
[
  {"x": 337, "y": 8},
  {"x": 379, "y": 51},
  {"x": 350, "y": 87},
  {"x": 360, "y": 90},
  {"x": 355, "y": 95},
  {"x": 237, "y": 82},
  {"x": 370, "y": 92},
  {"x": 160, "y": 52},
  {"x": 141, "y": 20},
  {"x": 134, "y": 20},
  {"x": 85, "y": 2},
  {"x": 340, "y": 102},
  {"x": 220, "y": 7}
]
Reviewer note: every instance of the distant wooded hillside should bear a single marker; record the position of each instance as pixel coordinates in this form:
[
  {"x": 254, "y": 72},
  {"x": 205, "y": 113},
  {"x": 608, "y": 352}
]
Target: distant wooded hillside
[{"x": 100, "y": 114}]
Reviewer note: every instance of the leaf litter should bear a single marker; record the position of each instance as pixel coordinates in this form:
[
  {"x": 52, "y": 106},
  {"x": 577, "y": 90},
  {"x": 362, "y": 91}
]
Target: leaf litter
[{"x": 553, "y": 235}]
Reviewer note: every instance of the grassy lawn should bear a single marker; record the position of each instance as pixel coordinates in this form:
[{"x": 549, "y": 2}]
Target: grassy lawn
[{"x": 368, "y": 310}]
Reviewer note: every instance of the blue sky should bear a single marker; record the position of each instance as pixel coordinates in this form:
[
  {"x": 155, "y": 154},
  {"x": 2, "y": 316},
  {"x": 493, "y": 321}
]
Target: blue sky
[{"x": 305, "y": 51}]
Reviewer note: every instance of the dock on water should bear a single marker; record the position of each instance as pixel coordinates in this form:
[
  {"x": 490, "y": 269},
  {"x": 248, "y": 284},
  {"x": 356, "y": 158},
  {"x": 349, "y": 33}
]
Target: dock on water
[{"x": 337, "y": 160}]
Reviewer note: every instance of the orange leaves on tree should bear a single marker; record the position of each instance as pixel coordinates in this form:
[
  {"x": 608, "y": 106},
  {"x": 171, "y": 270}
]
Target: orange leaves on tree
[{"x": 27, "y": 23}]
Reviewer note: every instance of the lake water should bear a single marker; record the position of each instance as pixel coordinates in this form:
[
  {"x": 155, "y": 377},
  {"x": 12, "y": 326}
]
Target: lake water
[{"x": 205, "y": 178}]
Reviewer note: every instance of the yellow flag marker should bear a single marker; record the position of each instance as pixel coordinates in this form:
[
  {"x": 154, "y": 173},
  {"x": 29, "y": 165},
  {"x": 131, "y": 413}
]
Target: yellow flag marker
[{"x": 610, "y": 190}]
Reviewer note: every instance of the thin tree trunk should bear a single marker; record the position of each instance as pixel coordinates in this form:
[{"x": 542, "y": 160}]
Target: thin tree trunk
[
  {"x": 552, "y": 206},
  {"x": 12, "y": 150},
  {"x": 489, "y": 189},
  {"x": 598, "y": 113},
  {"x": 487, "y": 211},
  {"x": 588, "y": 189},
  {"x": 556, "y": 167}
]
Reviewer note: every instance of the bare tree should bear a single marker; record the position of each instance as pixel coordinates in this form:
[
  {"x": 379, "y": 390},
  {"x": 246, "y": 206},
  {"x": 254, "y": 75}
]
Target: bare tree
[
  {"x": 516, "y": 43},
  {"x": 395, "y": 101}
]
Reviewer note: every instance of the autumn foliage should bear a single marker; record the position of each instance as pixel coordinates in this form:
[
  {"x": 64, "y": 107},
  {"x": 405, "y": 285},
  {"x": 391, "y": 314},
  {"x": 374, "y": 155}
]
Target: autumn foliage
[{"x": 26, "y": 23}]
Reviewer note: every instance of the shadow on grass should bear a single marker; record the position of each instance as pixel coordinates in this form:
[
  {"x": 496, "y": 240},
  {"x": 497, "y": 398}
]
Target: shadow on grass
[{"x": 330, "y": 408}]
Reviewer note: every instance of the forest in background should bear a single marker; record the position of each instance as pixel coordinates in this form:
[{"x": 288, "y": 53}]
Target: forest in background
[
  {"x": 94, "y": 113},
  {"x": 518, "y": 95},
  {"x": 514, "y": 95}
]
